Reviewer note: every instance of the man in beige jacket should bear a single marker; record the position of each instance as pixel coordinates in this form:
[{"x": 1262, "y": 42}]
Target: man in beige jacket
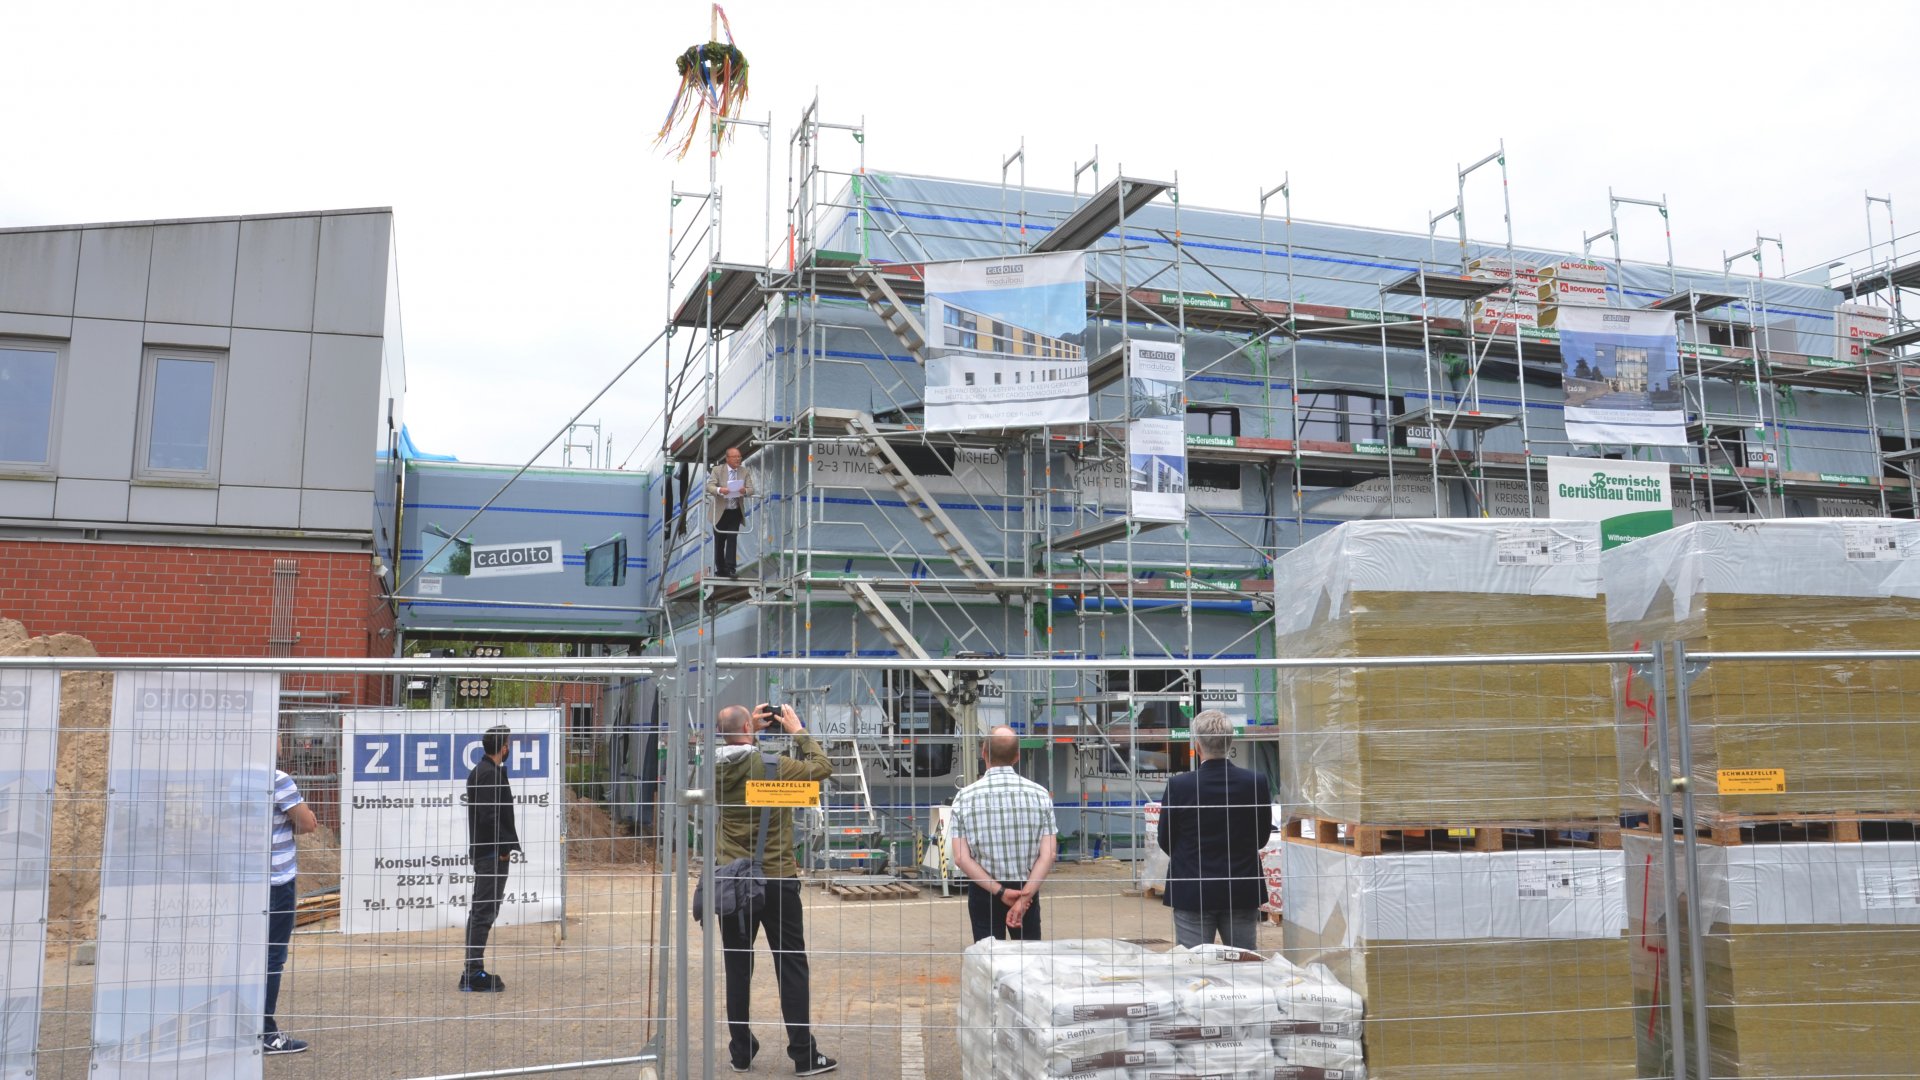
[{"x": 729, "y": 486}]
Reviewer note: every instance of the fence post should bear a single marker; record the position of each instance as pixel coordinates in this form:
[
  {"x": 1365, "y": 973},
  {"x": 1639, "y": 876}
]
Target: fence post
[
  {"x": 1685, "y": 672},
  {"x": 1670, "y": 879}
]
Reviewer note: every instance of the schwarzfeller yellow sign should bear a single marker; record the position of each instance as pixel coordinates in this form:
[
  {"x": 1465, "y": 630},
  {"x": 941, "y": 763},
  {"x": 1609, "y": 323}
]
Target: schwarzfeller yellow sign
[{"x": 787, "y": 793}]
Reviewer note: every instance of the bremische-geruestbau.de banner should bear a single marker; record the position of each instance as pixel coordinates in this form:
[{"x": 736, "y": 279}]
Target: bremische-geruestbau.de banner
[{"x": 403, "y": 812}]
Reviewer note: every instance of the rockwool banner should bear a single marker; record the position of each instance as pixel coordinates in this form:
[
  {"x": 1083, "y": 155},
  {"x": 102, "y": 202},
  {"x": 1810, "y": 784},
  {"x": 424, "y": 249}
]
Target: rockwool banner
[
  {"x": 29, "y": 720},
  {"x": 1859, "y": 325},
  {"x": 1622, "y": 374},
  {"x": 1156, "y": 431},
  {"x": 182, "y": 966},
  {"x": 1004, "y": 342},
  {"x": 1630, "y": 499},
  {"x": 403, "y": 817}
]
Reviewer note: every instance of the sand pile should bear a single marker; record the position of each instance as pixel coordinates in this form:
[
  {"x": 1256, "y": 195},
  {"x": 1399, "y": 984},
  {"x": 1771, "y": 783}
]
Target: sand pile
[
  {"x": 80, "y": 785},
  {"x": 594, "y": 838}
]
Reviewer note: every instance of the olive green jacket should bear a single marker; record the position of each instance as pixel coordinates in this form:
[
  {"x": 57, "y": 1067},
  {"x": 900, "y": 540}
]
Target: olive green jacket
[{"x": 740, "y": 823}]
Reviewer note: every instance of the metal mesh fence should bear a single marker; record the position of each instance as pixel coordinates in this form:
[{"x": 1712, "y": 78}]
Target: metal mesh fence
[{"x": 1434, "y": 874}]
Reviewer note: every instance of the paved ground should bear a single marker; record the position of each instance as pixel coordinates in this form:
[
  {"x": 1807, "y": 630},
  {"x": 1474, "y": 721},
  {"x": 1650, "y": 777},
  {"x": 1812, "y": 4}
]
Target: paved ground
[{"x": 886, "y": 980}]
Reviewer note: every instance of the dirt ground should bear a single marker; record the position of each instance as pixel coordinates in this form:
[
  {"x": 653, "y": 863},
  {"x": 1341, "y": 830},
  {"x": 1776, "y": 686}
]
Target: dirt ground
[{"x": 886, "y": 978}]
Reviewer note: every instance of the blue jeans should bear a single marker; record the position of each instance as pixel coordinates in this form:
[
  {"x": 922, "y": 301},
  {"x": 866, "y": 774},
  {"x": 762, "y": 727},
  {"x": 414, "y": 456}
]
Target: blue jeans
[
  {"x": 1237, "y": 927},
  {"x": 279, "y": 932}
]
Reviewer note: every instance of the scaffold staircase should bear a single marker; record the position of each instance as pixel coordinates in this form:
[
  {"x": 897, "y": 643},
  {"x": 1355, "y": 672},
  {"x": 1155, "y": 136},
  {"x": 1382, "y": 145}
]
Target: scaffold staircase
[
  {"x": 848, "y": 826},
  {"x": 892, "y": 311},
  {"x": 921, "y": 503},
  {"x": 881, "y": 615}
]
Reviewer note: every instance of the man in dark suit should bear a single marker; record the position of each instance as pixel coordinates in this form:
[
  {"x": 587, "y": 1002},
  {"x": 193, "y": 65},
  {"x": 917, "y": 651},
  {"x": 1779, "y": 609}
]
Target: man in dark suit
[
  {"x": 1213, "y": 823},
  {"x": 491, "y": 842}
]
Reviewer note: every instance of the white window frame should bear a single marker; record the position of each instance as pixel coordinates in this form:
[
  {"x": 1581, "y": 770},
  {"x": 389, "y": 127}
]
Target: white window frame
[
  {"x": 149, "y": 367},
  {"x": 51, "y": 467}
]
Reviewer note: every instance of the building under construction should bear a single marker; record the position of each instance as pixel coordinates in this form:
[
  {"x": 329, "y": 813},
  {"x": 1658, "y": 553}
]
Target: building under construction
[{"x": 1333, "y": 373}]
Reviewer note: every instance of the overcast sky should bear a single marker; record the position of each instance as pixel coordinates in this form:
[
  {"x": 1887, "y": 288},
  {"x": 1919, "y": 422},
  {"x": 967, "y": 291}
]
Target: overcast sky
[{"x": 514, "y": 141}]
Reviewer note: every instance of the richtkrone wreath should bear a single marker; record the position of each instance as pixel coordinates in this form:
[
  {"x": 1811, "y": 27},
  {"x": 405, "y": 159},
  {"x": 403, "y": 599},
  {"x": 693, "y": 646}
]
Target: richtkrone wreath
[{"x": 713, "y": 80}]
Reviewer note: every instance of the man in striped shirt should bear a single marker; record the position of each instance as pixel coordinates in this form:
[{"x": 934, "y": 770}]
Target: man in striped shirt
[
  {"x": 1005, "y": 839},
  {"x": 291, "y": 816}
]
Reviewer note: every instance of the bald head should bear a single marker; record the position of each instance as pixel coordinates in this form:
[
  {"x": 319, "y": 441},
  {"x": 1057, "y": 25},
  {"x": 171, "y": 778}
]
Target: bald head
[
  {"x": 733, "y": 722},
  {"x": 1002, "y": 747}
]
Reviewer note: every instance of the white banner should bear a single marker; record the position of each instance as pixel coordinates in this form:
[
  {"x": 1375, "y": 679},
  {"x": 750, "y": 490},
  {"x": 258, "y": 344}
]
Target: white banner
[
  {"x": 1005, "y": 342},
  {"x": 403, "y": 817},
  {"x": 29, "y": 723},
  {"x": 182, "y": 969},
  {"x": 512, "y": 560},
  {"x": 1621, "y": 368},
  {"x": 1859, "y": 325},
  {"x": 1156, "y": 431},
  {"x": 1630, "y": 499}
]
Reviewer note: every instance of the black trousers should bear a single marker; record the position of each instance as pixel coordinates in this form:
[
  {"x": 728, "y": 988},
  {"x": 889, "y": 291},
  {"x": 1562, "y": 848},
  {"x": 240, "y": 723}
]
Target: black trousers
[
  {"x": 726, "y": 542},
  {"x": 489, "y": 883},
  {"x": 781, "y": 915},
  {"x": 989, "y": 915}
]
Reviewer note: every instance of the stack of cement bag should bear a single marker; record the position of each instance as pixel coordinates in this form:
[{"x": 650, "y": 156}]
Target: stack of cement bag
[{"x": 1111, "y": 1010}]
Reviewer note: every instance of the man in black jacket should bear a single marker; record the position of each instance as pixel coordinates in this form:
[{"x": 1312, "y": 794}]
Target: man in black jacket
[
  {"x": 491, "y": 842},
  {"x": 1213, "y": 823}
]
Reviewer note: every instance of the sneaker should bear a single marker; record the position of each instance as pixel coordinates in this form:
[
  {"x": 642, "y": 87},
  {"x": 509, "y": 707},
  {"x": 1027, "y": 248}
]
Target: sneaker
[
  {"x": 742, "y": 1062},
  {"x": 278, "y": 1043},
  {"x": 481, "y": 982},
  {"x": 819, "y": 1063}
]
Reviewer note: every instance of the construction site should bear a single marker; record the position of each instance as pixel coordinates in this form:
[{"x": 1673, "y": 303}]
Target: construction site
[{"x": 1593, "y": 795}]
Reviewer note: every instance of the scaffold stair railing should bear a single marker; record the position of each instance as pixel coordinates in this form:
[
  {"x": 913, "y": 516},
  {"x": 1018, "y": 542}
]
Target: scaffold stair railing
[
  {"x": 919, "y": 501},
  {"x": 847, "y": 815},
  {"x": 892, "y": 311},
  {"x": 882, "y": 616}
]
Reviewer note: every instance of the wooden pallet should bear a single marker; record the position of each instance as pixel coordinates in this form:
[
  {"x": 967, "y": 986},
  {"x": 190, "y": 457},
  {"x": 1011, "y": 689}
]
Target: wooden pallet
[
  {"x": 317, "y": 908},
  {"x": 895, "y": 890},
  {"x": 1839, "y": 827},
  {"x": 1362, "y": 839}
]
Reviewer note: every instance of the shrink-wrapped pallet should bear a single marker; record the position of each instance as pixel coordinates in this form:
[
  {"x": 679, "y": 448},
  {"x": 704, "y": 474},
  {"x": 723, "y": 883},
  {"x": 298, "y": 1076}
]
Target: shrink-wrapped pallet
[
  {"x": 1794, "y": 737},
  {"x": 1505, "y": 965},
  {"x": 1112, "y": 1009},
  {"x": 1446, "y": 745},
  {"x": 1812, "y": 954}
]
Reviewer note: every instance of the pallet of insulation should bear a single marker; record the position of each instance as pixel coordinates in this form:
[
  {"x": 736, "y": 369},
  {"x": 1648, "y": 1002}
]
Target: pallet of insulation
[
  {"x": 1812, "y": 956},
  {"x": 1111, "y": 1010},
  {"x": 1501, "y": 965},
  {"x": 1446, "y": 745},
  {"x": 1795, "y": 737}
]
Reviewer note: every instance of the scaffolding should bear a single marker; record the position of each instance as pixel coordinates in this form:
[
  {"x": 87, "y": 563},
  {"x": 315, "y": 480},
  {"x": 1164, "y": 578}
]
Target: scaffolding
[{"x": 1332, "y": 373}]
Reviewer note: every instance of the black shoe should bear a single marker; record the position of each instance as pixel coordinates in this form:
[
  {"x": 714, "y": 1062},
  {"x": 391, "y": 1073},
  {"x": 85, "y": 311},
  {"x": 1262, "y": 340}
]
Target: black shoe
[
  {"x": 481, "y": 982},
  {"x": 277, "y": 1042},
  {"x": 819, "y": 1063},
  {"x": 742, "y": 1062}
]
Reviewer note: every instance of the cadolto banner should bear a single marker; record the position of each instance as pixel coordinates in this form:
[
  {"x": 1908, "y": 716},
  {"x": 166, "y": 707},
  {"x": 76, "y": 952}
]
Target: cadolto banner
[
  {"x": 1622, "y": 375},
  {"x": 1156, "y": 431},
  {"x": 1005, "y": 342},
  {"x": 403, "y": 816},
  {"x": 29, "y": 721},
  {"x": 182, "y": 969}
]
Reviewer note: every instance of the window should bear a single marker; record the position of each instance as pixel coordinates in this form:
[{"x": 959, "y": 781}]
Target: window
[
  {"x": 1348, "y": 417},
  {"x": 446, "y": 556},
  {"x": 29, "y": 381},
  {"x": 1213, "y": 420},
  {"x": 1172, "y": 699},
  {"x": 607, "y": 563},
  {"x": 182, "y": 398}
]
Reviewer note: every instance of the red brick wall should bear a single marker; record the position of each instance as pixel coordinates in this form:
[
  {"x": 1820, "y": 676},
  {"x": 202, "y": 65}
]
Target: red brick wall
[{"x": 156, "y": 600}]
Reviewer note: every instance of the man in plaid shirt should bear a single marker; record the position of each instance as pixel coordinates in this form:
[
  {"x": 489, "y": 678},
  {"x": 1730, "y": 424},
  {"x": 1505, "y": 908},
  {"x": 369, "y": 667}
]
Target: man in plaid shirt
[{"x": 1005, "y": 840}]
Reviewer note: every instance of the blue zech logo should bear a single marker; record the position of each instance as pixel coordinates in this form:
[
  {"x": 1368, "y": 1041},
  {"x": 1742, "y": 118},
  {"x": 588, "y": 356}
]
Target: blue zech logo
[{"x": 394, "y": 756}]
